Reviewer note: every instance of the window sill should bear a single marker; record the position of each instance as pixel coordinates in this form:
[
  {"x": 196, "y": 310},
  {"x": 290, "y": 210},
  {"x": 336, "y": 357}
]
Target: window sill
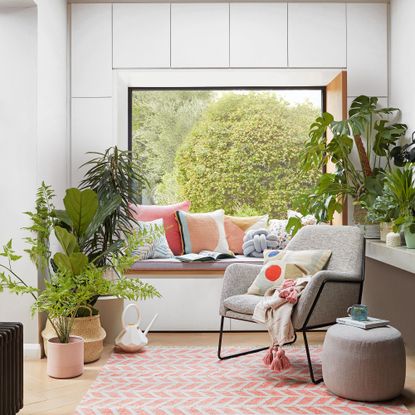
[{"x": 398, "y": 257}]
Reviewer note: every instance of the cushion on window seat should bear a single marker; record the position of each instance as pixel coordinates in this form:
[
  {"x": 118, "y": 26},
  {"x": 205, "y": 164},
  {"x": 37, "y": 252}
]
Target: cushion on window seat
[
  {"x": 244, "y": 303},
  {"x": 173, "y": 264}
]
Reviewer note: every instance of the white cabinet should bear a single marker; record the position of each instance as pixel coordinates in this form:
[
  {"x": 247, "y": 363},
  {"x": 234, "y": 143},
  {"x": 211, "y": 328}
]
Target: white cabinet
[
  {"x": 317, "y": 35},
  {"x": 190, "y": 303},
  {"x": 91, "y": 130},
  {"x": 258, "y": 35},
  {"x": 367, "y": 46},
  {"x": 91, "y": 56},
  {"x": 200, "y": 35},
  {"x": 141, "y": 35}
]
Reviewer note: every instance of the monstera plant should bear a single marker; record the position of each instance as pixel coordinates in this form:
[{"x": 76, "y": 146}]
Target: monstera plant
[{"x": 359, "y": 150}]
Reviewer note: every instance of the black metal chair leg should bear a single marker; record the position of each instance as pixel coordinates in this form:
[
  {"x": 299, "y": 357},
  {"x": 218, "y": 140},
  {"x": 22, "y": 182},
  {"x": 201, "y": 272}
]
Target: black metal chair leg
[
  {"x": 310, "y": 364},
  {"x": 231, "y": 356}
]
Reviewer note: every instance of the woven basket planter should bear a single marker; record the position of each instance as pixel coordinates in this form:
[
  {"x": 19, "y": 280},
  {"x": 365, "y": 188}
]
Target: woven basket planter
[{"x": 90, "y": 329}]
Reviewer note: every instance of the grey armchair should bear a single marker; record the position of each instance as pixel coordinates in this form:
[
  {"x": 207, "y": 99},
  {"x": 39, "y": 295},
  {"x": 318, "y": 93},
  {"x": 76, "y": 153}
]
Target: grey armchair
[{"x": 327, "y": 296}]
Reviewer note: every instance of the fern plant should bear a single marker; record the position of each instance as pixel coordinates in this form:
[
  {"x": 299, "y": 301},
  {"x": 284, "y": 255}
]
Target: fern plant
[{"x": 43, "y": 220}]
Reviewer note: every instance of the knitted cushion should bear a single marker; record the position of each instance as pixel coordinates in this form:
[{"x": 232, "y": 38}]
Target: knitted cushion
[
  {"x": 236, "y": 226},
  {"x": 257, "y": 241}
]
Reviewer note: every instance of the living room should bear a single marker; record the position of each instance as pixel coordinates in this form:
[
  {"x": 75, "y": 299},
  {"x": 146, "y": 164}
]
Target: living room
[{"x": 193, "y": 194}]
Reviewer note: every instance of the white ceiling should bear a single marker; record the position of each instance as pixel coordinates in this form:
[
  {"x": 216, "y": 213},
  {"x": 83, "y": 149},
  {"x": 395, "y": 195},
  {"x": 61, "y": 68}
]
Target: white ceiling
[{"x": 16, "y": 3}]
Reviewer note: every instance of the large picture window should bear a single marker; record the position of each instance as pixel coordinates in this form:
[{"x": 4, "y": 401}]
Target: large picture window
[{"x": 236, "y": 149}]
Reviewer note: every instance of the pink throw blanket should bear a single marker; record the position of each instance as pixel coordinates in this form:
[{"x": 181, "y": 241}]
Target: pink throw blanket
[{"x": 275, "y": 310}]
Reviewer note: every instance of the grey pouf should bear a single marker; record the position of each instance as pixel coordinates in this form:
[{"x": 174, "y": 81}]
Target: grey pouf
[{"x": 364, "y": 365}]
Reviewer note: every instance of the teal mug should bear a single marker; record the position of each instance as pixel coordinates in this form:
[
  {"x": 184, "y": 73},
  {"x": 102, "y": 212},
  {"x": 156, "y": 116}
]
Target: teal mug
[{"x": 358, "y": 312}]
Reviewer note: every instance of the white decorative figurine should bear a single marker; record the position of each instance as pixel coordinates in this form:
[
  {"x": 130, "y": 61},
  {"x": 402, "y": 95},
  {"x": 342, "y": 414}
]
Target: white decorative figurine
[{"x": 132, "y": 339}]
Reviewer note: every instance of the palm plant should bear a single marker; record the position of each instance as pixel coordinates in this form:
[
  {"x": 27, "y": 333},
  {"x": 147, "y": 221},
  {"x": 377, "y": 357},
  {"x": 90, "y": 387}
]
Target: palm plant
[{"x": 116, "y": 177}]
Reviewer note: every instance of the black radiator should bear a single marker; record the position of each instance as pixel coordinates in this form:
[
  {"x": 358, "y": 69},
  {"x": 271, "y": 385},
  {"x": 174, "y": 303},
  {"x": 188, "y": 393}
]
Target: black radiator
[{"x": 11, "y": 368}]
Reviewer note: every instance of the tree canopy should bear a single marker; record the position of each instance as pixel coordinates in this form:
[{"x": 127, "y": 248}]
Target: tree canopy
[{"x": 242, "y": 155}]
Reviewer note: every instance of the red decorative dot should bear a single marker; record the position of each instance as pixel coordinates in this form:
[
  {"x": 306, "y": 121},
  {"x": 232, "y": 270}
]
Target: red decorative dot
[{"x": 273, "y": 272}]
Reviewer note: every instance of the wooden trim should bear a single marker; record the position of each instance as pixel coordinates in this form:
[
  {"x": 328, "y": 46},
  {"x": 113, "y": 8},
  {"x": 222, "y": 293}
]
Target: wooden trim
[{"x": 336, "y": 104}]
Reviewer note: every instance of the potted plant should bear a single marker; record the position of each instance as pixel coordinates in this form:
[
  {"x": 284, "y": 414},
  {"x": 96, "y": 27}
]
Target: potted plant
[
  {"x": 71, "y": 279},
  {"x": 370, "y": 134},
  {"x": 383, "y": 211},
  {"x": 400, "y": 188}
]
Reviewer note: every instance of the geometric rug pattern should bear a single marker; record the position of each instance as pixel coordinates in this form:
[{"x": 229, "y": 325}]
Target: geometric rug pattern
[{"x": 191, "y": 381}]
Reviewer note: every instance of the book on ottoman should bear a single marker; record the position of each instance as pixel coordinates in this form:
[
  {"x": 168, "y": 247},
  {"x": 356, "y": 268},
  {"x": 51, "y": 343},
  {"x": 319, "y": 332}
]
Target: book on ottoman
[{"x": 370, "y": 323}]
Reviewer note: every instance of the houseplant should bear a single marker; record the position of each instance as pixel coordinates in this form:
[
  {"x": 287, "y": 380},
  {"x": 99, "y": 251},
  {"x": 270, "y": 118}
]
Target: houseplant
[
  {"x": 115, "y": 176},
  {"x": 383, "y": 211},
  {"x": 400, "y": 188},
  {"x": 71, "y": 279},
  {"x": 369, "y": 132}
]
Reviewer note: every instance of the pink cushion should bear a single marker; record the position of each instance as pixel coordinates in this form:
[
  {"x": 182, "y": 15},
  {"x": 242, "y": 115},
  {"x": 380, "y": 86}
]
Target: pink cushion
[{"x": 148, "y": 213}]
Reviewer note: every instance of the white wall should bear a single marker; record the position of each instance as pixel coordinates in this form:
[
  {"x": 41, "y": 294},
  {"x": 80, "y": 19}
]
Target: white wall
[
  {"x": 402, "y": 59},
  {"x": 112, "y": 41},
  {"x": 18, "y": 155},
  {"x": 52, "y": 132},
  {"x": 33, "y": 130}
]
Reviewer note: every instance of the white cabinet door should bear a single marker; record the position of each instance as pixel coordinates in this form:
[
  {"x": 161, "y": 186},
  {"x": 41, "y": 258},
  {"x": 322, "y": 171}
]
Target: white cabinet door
[
  {"x": 367, "y": 49},
  {"x": 91, "y": 41},
  {"x": 141, "y": 35},
  {"x": 317, "y": 35},
  {"x": 258, "y": 35},
  {"x": 91, "y": 130},
  {"x": 200, "y": 35},
  {"x": 187, "y": 304}
]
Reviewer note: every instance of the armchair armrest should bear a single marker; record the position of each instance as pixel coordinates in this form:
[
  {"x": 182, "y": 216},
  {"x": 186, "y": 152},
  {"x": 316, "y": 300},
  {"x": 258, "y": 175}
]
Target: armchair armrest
[
  {"x": 236, "y": 280},
  {"x": 347, "y": 285}
]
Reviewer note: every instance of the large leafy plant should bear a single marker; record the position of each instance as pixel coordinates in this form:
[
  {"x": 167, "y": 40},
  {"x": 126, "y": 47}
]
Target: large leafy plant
[
  {"x": 370, "y": 134},
  {"x": 73, "y": 280},
  {"x": 116, "y": 178}
]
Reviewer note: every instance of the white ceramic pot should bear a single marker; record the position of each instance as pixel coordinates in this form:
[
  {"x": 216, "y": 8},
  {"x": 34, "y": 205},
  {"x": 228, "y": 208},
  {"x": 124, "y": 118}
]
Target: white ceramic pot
[{"x": 65, "y": 360}]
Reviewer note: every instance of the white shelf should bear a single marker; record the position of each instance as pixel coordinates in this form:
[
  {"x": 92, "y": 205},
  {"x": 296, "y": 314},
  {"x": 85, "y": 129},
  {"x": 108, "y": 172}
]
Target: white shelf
[{"x": 400, "y": 257}]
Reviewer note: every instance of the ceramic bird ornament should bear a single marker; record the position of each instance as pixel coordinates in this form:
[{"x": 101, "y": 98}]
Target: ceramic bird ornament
[{"x": 132, "y": 339}]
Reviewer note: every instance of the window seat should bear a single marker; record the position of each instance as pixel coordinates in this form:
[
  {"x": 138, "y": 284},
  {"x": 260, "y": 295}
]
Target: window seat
[{"x": 174, "y": 266}]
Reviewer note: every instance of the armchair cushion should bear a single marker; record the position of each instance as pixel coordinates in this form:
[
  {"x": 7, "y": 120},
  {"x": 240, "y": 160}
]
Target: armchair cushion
[{"x": 244, "y": 303}]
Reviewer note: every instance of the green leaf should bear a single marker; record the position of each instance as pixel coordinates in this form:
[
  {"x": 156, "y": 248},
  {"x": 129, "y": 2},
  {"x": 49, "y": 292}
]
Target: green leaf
[
  {"x": 73, "y": 264},
  {"x": 105, "y": 209},
  {"x": 62, "y": 216},
  {"x": 67, "y": 240},
  {"x": 81, "y": 206}
]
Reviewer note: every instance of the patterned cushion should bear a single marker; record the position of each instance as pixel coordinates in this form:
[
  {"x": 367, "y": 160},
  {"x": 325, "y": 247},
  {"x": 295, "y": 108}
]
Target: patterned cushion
[
  {"x": 156, "y": 245},
  {"x": 312, "y": 260},
  {"x": 277, "y": 227},
  {"x": 202, "y": 231},
  {"x": 272, "y": 275},
  {"x": 244, "y": 303},
  {"x": 167, "y": 213},
  {"x": 236, "y": 226}
]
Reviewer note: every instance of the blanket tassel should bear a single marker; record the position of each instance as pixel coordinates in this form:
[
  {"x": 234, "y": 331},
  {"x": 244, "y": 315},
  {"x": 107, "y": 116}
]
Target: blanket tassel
[
  {"x": 280, "y": 361},
  {"x": 269, "y": 357}
]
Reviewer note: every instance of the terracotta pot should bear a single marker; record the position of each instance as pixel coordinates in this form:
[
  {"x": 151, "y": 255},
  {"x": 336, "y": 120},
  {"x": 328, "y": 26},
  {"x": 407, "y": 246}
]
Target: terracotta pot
[
  {"x": 65, "y": 360},
  {"x": 385, "y": 228},
  {"x": 89, "y": 328}
]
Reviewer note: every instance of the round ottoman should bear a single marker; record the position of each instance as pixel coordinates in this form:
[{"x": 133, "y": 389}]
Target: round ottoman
[{"x": 364, "y": 365}]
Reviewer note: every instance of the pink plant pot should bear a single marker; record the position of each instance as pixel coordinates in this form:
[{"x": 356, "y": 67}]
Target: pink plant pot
[{"x": 65, "y": 360}]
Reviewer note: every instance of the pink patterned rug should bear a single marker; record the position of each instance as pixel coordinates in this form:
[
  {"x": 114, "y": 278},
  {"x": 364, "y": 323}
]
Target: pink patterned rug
[{"x": 191, "y": 381}]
